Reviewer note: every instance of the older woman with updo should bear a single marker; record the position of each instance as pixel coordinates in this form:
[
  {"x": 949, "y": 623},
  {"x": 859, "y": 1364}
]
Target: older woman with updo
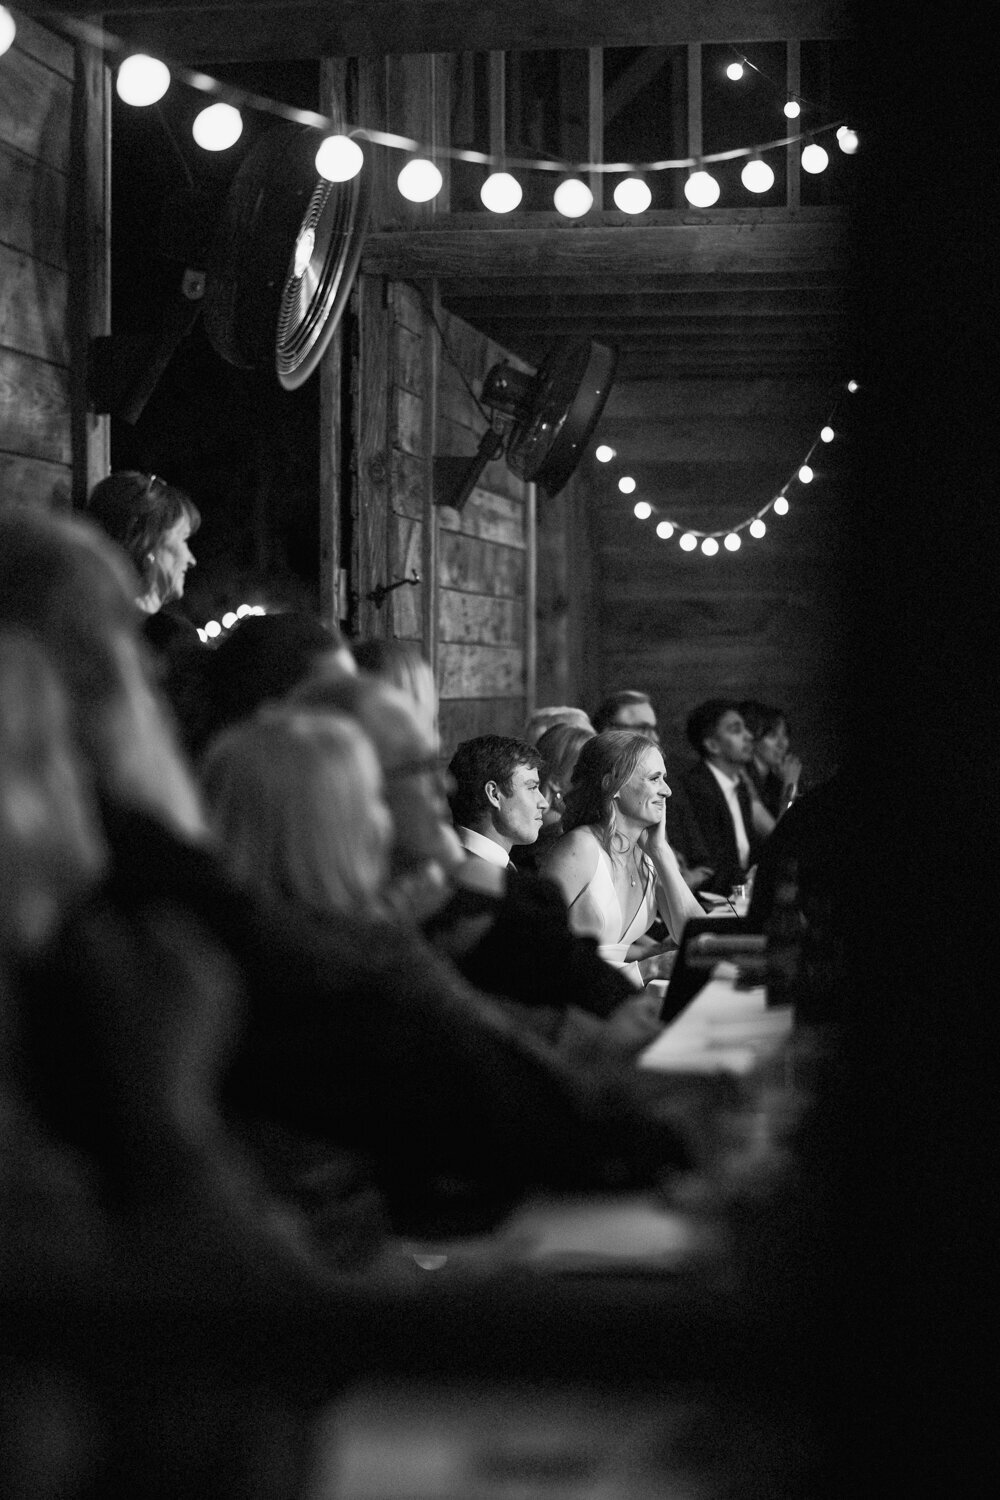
[
  {"x": 152, "y": 521},
  {"x": 613, "y": 863}
]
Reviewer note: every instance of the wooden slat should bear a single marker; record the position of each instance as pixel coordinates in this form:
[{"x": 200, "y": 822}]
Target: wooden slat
[
  {"x": 480, "y": 567},
  {"x": 489, "y": 516},
  {"x": 371, "y": 439},
  {"x": 480, "y": 671},
  {"x": 469, "y": 619},
  {"x": 33, "y": 196},
  {"x": 88, "y": 232},
  {"x": 217, "y": 30},
  {"x": 467, "y": 718},
  {"x": 33, "y": 307},
  {"x": 42, "y": 43},
  {"x": 34, "y": 481},
  {"x": 34, "y": 407},
  {"x": 36, "y": 108}
]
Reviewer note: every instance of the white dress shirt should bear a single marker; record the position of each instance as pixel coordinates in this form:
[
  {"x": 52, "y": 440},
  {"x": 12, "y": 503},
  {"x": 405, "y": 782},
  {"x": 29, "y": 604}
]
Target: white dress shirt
[
  {"x": 488, "y": 849},
  {"x": 729, "y": 785}
]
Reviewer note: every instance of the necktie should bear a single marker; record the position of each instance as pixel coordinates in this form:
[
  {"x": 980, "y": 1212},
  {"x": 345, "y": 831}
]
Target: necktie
[{"x": 743, "y": 798}]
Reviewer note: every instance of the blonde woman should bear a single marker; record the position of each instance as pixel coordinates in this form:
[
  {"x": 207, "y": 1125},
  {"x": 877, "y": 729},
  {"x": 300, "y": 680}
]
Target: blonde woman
[
  {"x": 296, "y": 801},
  {"x": 613, "y": 863}
]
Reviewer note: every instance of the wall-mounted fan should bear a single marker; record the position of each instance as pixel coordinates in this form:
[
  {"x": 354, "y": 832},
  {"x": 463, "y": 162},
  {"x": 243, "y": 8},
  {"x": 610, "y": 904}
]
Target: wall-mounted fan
[
  {"x": 544, "y": 421},
  {"x": 270, "y": 269}
]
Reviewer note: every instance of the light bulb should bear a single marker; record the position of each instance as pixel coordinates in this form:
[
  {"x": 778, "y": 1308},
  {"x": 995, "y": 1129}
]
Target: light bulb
[
  {"x": 228, "y": 620},
  {"x": 632, "y": 195},
  {"x": 420, "y": 180},
  {"x": 793, "y": 109},
  {"x": 142, "y": 80},
  {"x": 757, "y": 176},
  {"x": 852, "y": 386},
  {"x": 814, "y": 159},
  {"x": 213, "y": 628},
  {"x": 710, "y": 546},
  {"x": 827, "y": 434},
  {"x": 781, "y": 506},
  {"x": 732, "y": 542},
  {"x": 735, "y": 71},
  {"x": 8, "y": 30},
  {"x": 501, "y": 192},
  {"x": 701, "y": 190},
  {"x": 216, "y": 129},
  {"x": 604, "y": 454},
  {"x": 688, "y": 542},
  {"x": 626, "y": 484},
  {"x": 243, "y": 611},
  {"x": 805, "y": 474},
  {"x": 203, "y": 636},
  {"x": 643, "y": 510},
  {"x": 573, "y": 198},
  {"x": 664, "y": 530},
  {"x": 757, "y": 528},
  {"x": 847, "y": 140},
  {"x": 339, "y": 158}
]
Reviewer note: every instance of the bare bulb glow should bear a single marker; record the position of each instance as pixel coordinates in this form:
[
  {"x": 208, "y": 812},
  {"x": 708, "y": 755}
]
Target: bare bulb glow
[
  {"x": 847, "y": 140},
  {"x": 243, "y": 611},
  {"x": 688, "y": 542},
  {"x": 852, "y": 386},
  {"x": 793, "y": 109},
  {"x": 626, "y": 484},
  {"x": 710, "y": 546},
  {"x": 604, "y": 454},
  {"x": 339, "y": 158},
  {"x": 665, "y": 530},
  {"x": 701, "y": 190},
  {"x": 142, "y": 80},
  {"x": 735, "y": 71},
  {"x": 501, "y": 192},
  {"x": 757, "y": 528},
  {"x": 573, "y": 198},
  {"x": 642, "y": 510},
  {"x": 632, "y": 195},
  {"x": 216, "y": 129},
  {"x": 732, "y": 542},
  {"x": 213, "y": 628},
  {"x": 805, "y": 474},
  {"x": 203, "y": 636},
  {"x": 228, "y": 620},
  {"x": 827, "y": 434},
  {"x": 8, "y": 30},
  {"x": 781, "y": 506},
  {"x": 814, "y": 159},
  {"x": 757, "y": 176},
  {"x": 420, "y": 180},
  {"x": 304, "y": 247}
]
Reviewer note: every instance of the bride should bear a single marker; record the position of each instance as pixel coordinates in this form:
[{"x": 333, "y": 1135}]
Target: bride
[{"x": 613, "y": 862}]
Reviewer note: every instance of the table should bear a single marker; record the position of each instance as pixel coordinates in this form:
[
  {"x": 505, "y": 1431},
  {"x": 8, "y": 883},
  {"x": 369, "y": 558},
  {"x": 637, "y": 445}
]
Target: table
[{"x": 726, "y": 1028}]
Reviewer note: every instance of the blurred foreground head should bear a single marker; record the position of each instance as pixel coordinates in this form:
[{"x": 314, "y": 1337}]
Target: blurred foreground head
[{"x": 69, "y": 590}]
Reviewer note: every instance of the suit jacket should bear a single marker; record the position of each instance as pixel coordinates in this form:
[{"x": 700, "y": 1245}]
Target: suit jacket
[{"x": 700, "y": 828}]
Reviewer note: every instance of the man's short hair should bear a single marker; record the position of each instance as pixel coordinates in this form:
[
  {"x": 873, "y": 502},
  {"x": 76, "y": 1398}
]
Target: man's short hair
[
  {"x": 703, "y": 721},
  {"x": 489, "y": 757},
  {"x": 607, "y": 712}
]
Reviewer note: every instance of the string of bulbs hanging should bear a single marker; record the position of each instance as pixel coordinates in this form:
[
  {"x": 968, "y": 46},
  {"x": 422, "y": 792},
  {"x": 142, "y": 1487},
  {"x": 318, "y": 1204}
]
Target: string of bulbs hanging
[
  {"x": 691, "y": 537},
  {"x": 143, "y": 80}
]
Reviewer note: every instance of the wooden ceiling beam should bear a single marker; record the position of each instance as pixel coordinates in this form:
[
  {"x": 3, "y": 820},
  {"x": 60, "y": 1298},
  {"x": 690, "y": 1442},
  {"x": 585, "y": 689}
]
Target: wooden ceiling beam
[
  {"x": 655, "y": 304},
  {"x": 637, "y": 251},
  {"x": 258, "y": 30}
]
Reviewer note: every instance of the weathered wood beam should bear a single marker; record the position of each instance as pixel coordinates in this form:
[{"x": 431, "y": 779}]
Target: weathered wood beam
[
  {"x": 655, "y": 304},
  {"x": 580, "y": 251},
  {"x": 231, "y": 30}
]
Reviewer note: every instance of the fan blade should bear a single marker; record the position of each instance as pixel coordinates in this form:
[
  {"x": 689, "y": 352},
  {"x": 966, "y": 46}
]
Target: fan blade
[{"x": 570, "y": 392}]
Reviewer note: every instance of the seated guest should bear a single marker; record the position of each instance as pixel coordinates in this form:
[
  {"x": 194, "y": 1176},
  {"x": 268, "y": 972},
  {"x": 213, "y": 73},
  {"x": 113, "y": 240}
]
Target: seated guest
[
  {"x": 710, "y": 821},
  {"x": 628, "y": 709},
  {"x": 402, "y": 664},
  {"x": 510, "y": 938},
  {"x": 559, "y": 747},
  {"x": 297, "y": 803},
  {"x": 544, "y": 718},
  {"x": 773, "y": 772},
  {"x": 613, "y": 863},
  {"x": 496, "y": 798},
  {"x": 152, "y": 521}
]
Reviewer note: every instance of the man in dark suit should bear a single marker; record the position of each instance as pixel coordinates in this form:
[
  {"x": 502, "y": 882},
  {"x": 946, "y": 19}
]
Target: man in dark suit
[
  {"x": 708, "y": 819},
  {"x": 496, "y": 798}
]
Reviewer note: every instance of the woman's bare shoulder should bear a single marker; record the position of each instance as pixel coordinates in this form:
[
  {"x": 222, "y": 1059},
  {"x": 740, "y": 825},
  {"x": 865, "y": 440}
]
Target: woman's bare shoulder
[{"x": 574, "y": 849}]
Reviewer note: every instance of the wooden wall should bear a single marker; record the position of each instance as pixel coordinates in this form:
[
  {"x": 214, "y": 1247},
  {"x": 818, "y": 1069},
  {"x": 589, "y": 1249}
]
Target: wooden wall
[{"x": 53, "y": 271}]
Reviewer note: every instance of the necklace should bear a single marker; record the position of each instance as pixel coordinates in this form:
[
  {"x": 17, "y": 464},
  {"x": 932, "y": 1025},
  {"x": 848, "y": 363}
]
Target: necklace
[{"x": 634, "y": 870}]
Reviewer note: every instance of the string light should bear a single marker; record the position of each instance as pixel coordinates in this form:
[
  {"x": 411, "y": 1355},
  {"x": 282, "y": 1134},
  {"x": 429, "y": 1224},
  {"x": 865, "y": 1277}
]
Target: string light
[
  {"x": 847, "y": 140},
  {"x": 633, "y": 196},
  {"x": 730, "y": 537},
  {"x": 573, "y": 198},
  {"x": 814, "y": 159},
  {"x": 501, "y": 192},
  {"x": 735, "y": 71},
  {"x": 604, "y": 454},
  {"x": 217, "y": 127},
  {"x": 142, "y": 80},
  {"x": 339, "y": 158},
  {"x": 757, "y": 176},
  {"x": 792, "y": 109},
  {"x": 420, "y": 180},
  {"x": 702, "y": 190},
  {"x": 8, "y": 30}
]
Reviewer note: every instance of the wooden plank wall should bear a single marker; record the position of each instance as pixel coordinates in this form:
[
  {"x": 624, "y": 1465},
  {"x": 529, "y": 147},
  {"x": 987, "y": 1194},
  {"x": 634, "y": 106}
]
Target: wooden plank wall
[
  {"x": 53, "y": 283},
  {"x": 766, "y": 622}
]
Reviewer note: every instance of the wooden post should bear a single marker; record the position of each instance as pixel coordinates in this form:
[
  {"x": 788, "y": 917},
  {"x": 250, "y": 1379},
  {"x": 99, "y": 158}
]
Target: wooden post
[
  {"x": 793, "y": 154},
  {"x": 595, "y": 119},
  {"x": 694, "y": 145},
  {"x": 89, "y": 211},
  {"x": 332, "y": 92},
  {"x": 498, "y": 106},
  {"x": 530, "y": 597}
]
